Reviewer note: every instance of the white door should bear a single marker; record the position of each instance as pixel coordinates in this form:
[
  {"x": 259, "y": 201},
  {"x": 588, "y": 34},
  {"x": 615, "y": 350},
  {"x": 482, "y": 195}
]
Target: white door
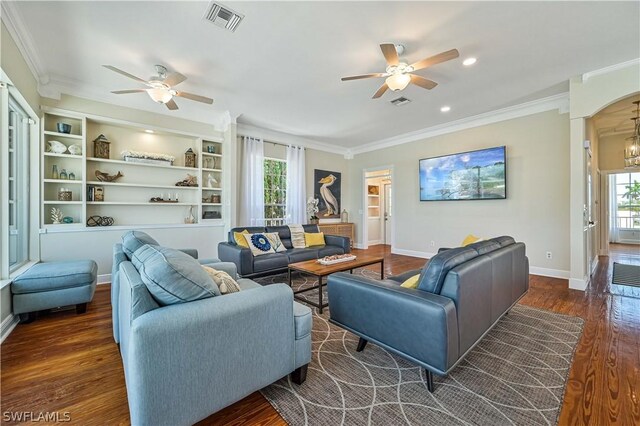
[
  {"x": 387, "y": 213},
  {"x": 589, "y": 216}
]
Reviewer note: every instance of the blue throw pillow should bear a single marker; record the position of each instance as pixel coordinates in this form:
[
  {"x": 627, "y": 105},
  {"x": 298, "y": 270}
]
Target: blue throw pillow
[
  {"x": 172, "y": 276},
  {"x": 133, "y": 240}
]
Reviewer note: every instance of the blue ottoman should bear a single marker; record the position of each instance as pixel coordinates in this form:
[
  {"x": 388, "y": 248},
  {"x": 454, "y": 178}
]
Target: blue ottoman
[{"x": 53, "y": 284}]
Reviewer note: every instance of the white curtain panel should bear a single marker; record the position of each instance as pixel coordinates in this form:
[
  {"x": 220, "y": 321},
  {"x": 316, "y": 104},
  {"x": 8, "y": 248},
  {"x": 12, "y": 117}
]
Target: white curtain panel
[
  {"x": 252, "y": 200},
  {"x": 296, "y": 185},
  {"x": 614, "y": 231}
]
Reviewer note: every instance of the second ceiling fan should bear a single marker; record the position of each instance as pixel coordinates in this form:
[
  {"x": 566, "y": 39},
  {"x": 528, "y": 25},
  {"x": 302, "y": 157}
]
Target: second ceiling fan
[{"x": 399, "y": 74}]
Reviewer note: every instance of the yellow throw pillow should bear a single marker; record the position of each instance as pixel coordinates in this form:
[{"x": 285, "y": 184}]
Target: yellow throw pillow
[
  {"x": 411, "y": 282},
  {"x": 470, "y": 239},
  {"x": 240, "y": 240},
  {"x": 314, "y": 239}
]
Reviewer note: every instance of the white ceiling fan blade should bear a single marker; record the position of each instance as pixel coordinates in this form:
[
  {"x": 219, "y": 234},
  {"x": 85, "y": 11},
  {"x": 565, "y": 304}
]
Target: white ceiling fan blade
[
  {"x": 196, "y": 98},
  {"x": 172, "y": 105},
  {"x": 123, "y": 92},
  {"x": 390, "y": 53},
  {"x": 433, "y": 60},
  {"x": 380, "y": 91},
  {"x": 423, "y": 82},
  {"x": 174, "y": 79},
  {"x": 358, "y": 77},
  {"x": 126, "y": 74}
]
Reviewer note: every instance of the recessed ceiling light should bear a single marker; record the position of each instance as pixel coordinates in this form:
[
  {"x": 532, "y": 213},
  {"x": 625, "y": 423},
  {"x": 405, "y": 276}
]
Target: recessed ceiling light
[
  {"x": 445, "y": 109},
  {"x": 149, "y": 131},
  {"x": 469, "y": 61}
]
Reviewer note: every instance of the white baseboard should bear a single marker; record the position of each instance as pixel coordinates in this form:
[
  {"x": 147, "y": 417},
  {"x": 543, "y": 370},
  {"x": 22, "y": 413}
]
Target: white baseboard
[
  {"x": 412, "y": 253},
  {"x": 7, "y": 326},
  {"x": 375, "y": 242},
  {"x": 546, "y": 272},
  {"x": 104, "y": 279},
  {"x": 578, "y": 283},
  {"x": 358, "y": 246}
]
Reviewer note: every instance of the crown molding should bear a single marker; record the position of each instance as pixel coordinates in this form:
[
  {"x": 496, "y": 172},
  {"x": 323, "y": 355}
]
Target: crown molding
[
  {"x": 18, "y": 31},
  {"x": 606, "y": 70},
  {"x": 286, "y": 138},
  {"x": 558, "y": 102}
]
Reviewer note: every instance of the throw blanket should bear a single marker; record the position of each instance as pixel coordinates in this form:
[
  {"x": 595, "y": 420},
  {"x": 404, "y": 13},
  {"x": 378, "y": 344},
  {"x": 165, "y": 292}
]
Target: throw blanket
[
  {"x": 225, "y": 283},
  {"x": 297, "y": 236}
]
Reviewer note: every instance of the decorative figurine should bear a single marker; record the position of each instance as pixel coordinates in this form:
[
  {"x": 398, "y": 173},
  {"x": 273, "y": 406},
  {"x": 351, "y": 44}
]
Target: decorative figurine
[
  {"x": 67, "y": 219},
  {"x": 57, "y": 147},
  {"x": 106, "y": 177},
  {"x": 211, "y": 181},
  {"x": 56, "y": 216},
  {"x": 190, "y": 180},
  {"x": 190, "y": 218},
  {"x": 75, "y": 149},
  {"x": 101, "y": 147}
]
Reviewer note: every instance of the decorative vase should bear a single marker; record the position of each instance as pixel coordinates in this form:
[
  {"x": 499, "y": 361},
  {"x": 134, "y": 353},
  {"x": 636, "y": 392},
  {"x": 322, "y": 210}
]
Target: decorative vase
[
  {"x": 72, "y": 176},
  {"x": 314, "y": 221},
  {"x": 345, "y": 216},
  {"x": 63, "y": 174},
  {"x": 191, "y": 218},
  {"x": 54, "y": 172}
]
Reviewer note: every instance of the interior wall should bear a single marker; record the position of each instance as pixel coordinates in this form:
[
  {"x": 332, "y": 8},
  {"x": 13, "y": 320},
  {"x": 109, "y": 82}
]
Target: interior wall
[
  {"x": 536, "y": 210},
  {"x": 14, "y": 65},
  {"x": 612, "y": 152}
]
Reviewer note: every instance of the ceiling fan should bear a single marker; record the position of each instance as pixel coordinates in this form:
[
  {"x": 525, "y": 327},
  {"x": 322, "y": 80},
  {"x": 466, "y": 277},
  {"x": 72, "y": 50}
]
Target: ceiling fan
[
  {"x": 161, "y": 87},
  {"x": 398, "y": 73}
]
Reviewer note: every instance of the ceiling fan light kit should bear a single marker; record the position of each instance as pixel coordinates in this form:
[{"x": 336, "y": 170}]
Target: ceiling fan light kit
[
  {"x": 160, "y": 87},
  {"x": 398, "y": 74}
]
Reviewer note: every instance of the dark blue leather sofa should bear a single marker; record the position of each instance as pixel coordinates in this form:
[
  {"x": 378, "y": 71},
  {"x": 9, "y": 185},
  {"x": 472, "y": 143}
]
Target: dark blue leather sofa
[
  {"x": 461, "y": 295},
  {"x": 250, "y": 266}
]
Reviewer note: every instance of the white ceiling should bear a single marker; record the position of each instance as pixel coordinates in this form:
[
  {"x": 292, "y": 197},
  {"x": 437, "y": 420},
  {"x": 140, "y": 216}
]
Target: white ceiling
[{"x": 281, "y": 69}]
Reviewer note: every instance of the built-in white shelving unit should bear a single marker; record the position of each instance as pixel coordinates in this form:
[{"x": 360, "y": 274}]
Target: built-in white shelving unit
[{"x": 128, "y": 199}]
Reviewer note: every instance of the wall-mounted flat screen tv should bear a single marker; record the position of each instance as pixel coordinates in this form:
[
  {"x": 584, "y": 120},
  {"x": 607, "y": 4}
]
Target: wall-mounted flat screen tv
[{"x": 473, "y": 175}]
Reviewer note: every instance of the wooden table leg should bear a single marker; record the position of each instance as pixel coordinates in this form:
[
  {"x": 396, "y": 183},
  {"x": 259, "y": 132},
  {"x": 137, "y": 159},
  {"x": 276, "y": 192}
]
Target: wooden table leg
[
  {"x": 320, "y": 293},
  {"x": 382, "y": 270},
  {"x": 289, "y": 271}
]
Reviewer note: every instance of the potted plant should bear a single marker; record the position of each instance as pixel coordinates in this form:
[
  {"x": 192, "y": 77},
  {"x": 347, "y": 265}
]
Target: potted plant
[{"x": 312, "y": 209}]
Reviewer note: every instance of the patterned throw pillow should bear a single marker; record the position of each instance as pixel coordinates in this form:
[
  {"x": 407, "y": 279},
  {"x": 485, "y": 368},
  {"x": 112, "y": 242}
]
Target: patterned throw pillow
[
  {"x": 297, "y": 236},
  {"x": 259, "y": 244},
  {"x": 275, "y": 241},
  {"x": 225, "y": 283}
]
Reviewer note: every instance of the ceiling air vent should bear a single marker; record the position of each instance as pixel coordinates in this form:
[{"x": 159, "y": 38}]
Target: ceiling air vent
[
  {"x": 222, "y": 16},
  {"x": 400, "y": 101}
]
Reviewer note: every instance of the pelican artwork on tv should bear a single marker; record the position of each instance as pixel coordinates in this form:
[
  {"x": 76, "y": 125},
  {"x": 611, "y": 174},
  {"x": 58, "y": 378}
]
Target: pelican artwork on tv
[{"x": 474, "y": 175}]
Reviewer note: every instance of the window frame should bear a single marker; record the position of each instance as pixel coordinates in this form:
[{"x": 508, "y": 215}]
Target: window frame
[
  {"x": 621, "y": 189},
  {"x": 283, "y": 206}
]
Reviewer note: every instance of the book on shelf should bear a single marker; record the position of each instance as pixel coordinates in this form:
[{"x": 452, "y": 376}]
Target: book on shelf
[{"x": 95, "y": 193}]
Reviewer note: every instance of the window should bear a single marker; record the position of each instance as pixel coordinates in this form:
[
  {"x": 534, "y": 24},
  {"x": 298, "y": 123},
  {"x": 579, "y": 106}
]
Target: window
[
  {"x": 275, "y": 191},
  {"x": 628, "y": 200},
  {"x": 18, "y": 186}
]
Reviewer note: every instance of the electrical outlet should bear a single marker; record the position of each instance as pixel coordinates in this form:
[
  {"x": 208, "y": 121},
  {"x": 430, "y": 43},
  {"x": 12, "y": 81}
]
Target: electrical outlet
[
  {"x": 549, "y": 255},
  {"x": 433, "y": 243}
]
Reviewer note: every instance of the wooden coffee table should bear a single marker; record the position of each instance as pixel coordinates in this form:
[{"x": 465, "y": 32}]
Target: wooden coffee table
[{"x": 312, "y": 267}]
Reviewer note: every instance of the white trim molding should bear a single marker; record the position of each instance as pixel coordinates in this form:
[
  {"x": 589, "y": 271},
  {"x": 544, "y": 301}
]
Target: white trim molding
[
  {"x": 412, "y": 253},
  {"x": 546, "y": 272},
  {"x": 7, "y": 326},
  {"x": 16, "y": 27},
  {"x": 606, "y": 70},
  {"x": 558, "y": 102},
  {"x": 104, "y": 279},
  {"x": 578, "y": 283},
  {"x": 269, "y": 135}
]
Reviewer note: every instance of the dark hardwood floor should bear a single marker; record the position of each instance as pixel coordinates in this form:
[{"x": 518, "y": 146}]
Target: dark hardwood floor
[{"x": 65, "y": 362}]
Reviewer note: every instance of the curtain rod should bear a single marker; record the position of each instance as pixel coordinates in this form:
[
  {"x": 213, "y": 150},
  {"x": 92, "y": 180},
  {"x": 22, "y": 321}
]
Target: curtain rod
[{"x": 272, "y": 142}]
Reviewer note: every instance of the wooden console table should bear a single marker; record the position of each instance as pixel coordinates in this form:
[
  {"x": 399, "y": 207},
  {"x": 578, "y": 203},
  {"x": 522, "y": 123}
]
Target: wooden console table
[{"x": 341, "y": 229}]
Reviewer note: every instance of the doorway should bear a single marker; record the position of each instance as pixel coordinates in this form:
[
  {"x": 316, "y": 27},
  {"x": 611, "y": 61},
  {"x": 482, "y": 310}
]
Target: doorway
[
  {"x": 623, "y": 210},
  {"x": 378, "y": 227}
]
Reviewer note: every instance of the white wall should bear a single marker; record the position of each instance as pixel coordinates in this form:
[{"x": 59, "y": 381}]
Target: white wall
[{"x": 536, "y": 210}]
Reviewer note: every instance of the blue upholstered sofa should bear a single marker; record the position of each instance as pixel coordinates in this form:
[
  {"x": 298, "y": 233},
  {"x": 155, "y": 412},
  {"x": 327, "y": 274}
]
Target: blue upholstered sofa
[
  {"x": 183, "y": 362},
  {"x": 461, "y": 295},
  {"x": 254, "y": 266}
]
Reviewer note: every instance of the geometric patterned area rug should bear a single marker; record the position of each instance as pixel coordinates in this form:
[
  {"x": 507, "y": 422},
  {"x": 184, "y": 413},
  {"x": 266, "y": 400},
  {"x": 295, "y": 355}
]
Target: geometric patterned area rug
[
  {"x": 626, "y": 274},
  {"x": 515, "y": 376}
]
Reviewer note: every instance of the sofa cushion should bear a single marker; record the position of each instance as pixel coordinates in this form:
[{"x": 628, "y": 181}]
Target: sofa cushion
[
  {"x": 238, "y": 238},
  {"x": 297, "y": 235},
  {"x": 50, "y": 276},
  {"x": 172, "y": 276},
  {"x": 303, "y": 320},
  {"x": 247, "y": 284},
  {"x": 259, "y": 244},
  {"x": 276, "y": 242},
  {"x": 484, "y": 247},
  {"x": 436, "y": 270},
  {"x": 504, "y": 241},
  {"x": 302, "y": 254},
  {"x": 329, "y": 251},
  {"x": 133, "y": 240},
  {"x": 249, "y": 229},
  {"x": 411, "y": 282},
  {"x": 284, "y": 233},
  {"x": 270, "y": 261},
  {"x": 312, "y": 239},
  {"x": 470, "y": 239}
]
